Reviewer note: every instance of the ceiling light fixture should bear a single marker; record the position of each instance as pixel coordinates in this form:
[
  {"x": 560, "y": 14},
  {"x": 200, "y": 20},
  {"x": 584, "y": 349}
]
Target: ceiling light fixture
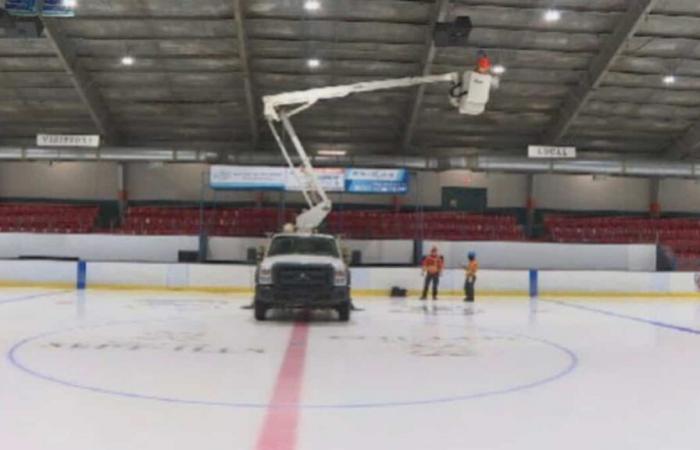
[
  {"x": 669, "y": 79},
  {"x": 552, "y": 15},
  {"x": 332, "y": 152},
  {"x": 128, "y": 61},
  {"x": 312, "y": 5},
  {"x": 313, "y": 63},
  {"x": 498, "y": 69}
]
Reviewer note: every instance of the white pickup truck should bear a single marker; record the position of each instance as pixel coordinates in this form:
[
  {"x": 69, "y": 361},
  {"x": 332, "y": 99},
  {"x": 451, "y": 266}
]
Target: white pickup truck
[{"x": 303, "y": 270}]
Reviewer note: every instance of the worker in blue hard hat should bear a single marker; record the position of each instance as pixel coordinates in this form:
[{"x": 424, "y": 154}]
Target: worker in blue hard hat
[{"x": 471, "y": 269}]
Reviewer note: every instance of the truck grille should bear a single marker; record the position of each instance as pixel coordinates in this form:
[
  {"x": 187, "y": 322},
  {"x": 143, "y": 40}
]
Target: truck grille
[{"x": 303, "y": 276}]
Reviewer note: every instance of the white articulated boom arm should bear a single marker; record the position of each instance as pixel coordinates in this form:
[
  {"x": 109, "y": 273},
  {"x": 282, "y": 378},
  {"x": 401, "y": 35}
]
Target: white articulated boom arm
[{"x": 314, "y": 194}]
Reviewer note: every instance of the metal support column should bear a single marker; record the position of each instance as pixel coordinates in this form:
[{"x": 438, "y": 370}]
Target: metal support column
[
  {"x": 530, "y": 205},
  {"x": 122, "y": 190},
  {"x": 654, "y": 203}
]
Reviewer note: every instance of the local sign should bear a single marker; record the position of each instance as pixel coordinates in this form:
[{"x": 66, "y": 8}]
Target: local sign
[{"x": 550, "y": 152}]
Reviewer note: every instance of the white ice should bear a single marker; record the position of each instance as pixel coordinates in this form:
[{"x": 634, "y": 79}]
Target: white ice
[{"x": 175, "y": 371}]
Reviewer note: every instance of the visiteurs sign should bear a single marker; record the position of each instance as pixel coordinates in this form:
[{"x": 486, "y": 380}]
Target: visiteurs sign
[{"x": 357, "y": 181}]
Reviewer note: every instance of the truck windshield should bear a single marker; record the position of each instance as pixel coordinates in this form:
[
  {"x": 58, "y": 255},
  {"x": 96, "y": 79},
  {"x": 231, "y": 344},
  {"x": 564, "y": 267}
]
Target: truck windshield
[{"x": 293, "y": 245}]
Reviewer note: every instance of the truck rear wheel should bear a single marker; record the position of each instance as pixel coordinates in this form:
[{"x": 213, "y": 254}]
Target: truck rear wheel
[{"x": 260, "y": 311}]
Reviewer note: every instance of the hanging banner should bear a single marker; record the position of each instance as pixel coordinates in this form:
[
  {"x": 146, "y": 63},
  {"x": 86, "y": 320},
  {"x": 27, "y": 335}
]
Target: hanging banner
[
  {"x": 376, "y": 181},
  {"x": 248, "y": 178},
  {"x": 332, "y": 180},
  {"x": 58, "y": 8},
  {"x": 358, "y": 181},
  {"x": 21, "y": 7},
  {"x": 52, "y": 8}
]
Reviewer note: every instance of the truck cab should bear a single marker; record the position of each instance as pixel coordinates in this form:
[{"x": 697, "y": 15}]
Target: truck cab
[{"x": 302, "y": 270}]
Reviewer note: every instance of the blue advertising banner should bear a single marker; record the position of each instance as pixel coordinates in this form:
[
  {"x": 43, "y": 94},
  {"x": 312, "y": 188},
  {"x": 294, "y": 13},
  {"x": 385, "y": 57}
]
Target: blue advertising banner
[
  {"x": 262, "y": 178},
  {"x": 376, "y": 181},
  {"x": 58, "y": 8},
  {"x": 21, "y": 7},
  {"x": 52, "y": 8},
  {"x": 353, "y": 181},
  {"x": 248, "y": 178}
]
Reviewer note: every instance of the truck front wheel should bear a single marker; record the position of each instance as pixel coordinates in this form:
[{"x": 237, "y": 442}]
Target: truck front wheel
[{"x": 344, "y": 312}]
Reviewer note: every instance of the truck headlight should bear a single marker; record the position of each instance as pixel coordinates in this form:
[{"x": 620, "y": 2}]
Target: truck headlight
[
  {"x": 341, "y": 277},
  {"x": 265, "y": 276}
]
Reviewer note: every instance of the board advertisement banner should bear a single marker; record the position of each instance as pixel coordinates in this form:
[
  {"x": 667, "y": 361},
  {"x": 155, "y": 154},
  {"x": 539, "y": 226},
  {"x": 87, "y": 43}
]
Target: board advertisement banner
[
  {"x": 21, "y": 7},
  {"x": 51, "y": 8},
  {"x": 360, "y": 181},
  {"x": 248, "y": 178},
  {"x": 332, "y": 180},
  {"x": 377, "y": 181}
]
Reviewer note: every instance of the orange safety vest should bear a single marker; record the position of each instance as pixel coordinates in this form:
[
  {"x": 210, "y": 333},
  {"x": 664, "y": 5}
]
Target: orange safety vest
[
  {"x": 472, "y": 269},
  {"x": 433, "y": 264}
]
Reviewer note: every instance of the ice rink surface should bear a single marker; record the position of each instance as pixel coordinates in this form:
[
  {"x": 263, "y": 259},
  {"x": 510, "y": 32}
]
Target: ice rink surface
[{"x": 181, "y": 371}]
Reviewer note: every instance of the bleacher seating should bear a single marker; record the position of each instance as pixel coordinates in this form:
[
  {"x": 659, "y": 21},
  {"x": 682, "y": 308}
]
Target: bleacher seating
[
  {"x": 153, "y": 220},
  {"x": 679, "y": 235},
  {"x": 436, "y": 225},
  {"x": 351, "y": 224},
  {"x": 47, "y": 218},
  {"x": 621, "y": 229}
]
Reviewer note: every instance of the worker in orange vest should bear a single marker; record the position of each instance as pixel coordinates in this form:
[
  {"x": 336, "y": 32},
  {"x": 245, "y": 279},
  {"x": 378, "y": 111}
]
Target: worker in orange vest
[
  {"x": 471, "y": 270},
  {"x": 433, "y": 265}
]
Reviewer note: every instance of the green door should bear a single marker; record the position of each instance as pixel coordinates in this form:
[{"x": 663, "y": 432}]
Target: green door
[{"x": 464, "y": 199}]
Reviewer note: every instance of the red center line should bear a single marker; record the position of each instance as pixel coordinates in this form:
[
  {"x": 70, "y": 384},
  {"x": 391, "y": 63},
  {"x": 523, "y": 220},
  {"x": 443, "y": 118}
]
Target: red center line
[{"x": 279, "y": 431}]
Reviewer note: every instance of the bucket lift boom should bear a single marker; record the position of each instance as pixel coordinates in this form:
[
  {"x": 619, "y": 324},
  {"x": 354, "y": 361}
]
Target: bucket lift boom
[{"x": 281, "y": 107}]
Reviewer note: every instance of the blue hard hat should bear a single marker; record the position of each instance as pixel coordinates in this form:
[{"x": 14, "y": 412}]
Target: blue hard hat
[{"x": 471, "y": 255}]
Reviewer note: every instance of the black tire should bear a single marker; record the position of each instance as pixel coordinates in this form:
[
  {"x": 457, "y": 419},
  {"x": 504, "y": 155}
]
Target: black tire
[
  {"x": 344, "y": 312},
  {"x": 260, "y": 311}
]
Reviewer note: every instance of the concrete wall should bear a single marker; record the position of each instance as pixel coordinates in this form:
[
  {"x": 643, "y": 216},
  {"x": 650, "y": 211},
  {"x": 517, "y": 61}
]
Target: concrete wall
[
  {"x": 585, "y": 193},
  {"x": 64, "y": 180},
  {"x": 183, "y": 182},
  {"x": 503, "y": 190},
  {"x": 680, "y": 196}
]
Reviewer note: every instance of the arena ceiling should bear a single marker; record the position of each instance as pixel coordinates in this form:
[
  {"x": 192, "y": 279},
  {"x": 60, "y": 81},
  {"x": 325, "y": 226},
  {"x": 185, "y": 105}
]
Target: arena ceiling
[{"x": 593, "y": 79}]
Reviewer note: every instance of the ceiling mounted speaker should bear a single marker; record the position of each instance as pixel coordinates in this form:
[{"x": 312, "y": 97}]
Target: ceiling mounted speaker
[{"x": 453, "y": 34}]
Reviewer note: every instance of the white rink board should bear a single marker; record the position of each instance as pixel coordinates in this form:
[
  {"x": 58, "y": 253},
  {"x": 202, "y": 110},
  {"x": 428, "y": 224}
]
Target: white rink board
[
  {"x": 492, "y": 255},
  {"x": 96, "y": 247},
  {"x": 375, "y": 280},
  {"x": 127, "y": 274},
  {"x": 383, "y": 279},
  {"x": 64, "y": 272},
  {"x": 221, "y": 276},
  {"x": 548, "y": 256},
  {"x": 562, "y": 281},
  {"x": 617, "y": 282},
  {"x": 232, "y": 249},
  {"x": 383, "y": 252}
]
